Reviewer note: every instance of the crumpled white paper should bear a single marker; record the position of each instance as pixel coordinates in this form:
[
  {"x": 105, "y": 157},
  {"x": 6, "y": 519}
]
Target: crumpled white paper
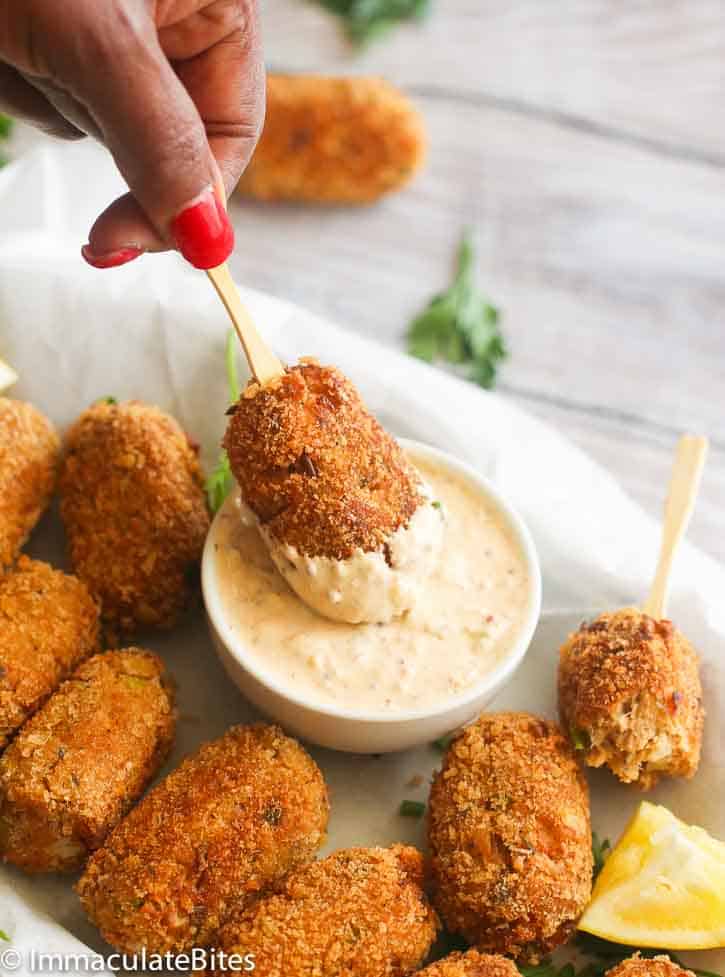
[{"x": 155, "y": 330}]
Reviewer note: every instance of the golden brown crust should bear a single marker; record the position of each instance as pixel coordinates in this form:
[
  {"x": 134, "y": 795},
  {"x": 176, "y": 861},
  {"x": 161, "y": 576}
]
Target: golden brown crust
[
  {"x": 638, "y": 966},
  {"x": 29, "y": 451},
  {"x": 315, "y": 466},
  {"x": 472, "y": 964},
  {"x": 133, "y": 505},
  {"x": 630, "y": 697},
  {"x": 230, "y": 821},
  {"x": 360, "y": 912},
  {"x": 334, "y": 140},
  {"x": 48, "y": 625},
  {"x": 510, "y": 836},
  {"x": 78, "y": 765}
]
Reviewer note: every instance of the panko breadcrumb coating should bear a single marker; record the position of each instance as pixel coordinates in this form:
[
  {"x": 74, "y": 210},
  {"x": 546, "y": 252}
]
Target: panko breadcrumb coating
[
  {"x": 637, "y": 966},
  {"x": 29, "y": 451},
  {"x": 334, "y": 140},
  {"x": 472, "y": 964},
  {"x": 630, "y": 697},
  {"x": 360, "y": 912},
  {"x": 133, "y": 506},
  {"x": 76, "y": 767},
  {"x": 229, "y": 822},
  {"x": 315, "y": 467},
  {"x": 510, "y": 836},
  {"x": 48, "y": 625}
]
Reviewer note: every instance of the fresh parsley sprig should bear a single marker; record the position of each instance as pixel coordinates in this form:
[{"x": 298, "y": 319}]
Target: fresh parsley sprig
[
  {"x": 219, "y": 483},
  {"x": 460, "y": 326},
  {"x": 366, "y": 20}
]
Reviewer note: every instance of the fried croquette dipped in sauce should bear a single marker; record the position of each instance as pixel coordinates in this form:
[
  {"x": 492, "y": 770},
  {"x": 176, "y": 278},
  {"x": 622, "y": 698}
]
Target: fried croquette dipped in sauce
[
  {"x": 630, "y": 697},
  {"x": 76, "y": 767},
  {"x": 29, "y": 452},
  {"x": 360, "y": 912},
  {"x": 334, "y": 141},
  {"x": 659, "y": 966},
  {"x": 48, "y": 625},
  {"x": 134, "y": 510},
  {"x": 220, "y": 829},
  {"x": 510, "y": 836},
  {"x": 471, "y": 964},
  {"x": 346, "y": 517}
]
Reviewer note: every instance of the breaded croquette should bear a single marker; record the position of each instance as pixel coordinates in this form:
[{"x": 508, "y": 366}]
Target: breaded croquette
[
  {"x": 510, "y": 836},
  {"x": 471, "y": 964},
  {"x": 48, "y": 625},
  {"x": 360, "y": 912},
  {"x": 133, "y": 506},
  {"x": 637, "y": 966},
  {"x": 630, "y": 697},
  {"x": 76, "y": 767},
  {"x": 334, "y": 140},
  {"x": 346, "y": 517},
  {"x": 29, "y": 451},
  {"x": 229, "y": 822}
]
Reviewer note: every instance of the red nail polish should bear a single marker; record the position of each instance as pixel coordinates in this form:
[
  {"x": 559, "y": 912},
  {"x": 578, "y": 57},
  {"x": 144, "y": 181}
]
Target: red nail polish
[
  {"x": 111, "y": 259},
  {"x": 202, "y": 231}
]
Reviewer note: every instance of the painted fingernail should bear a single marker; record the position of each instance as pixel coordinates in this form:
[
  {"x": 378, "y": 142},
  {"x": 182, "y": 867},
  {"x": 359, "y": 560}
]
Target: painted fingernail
[
  {"x": 202, "y": 231},
  {"x": 111, "y": 259}
]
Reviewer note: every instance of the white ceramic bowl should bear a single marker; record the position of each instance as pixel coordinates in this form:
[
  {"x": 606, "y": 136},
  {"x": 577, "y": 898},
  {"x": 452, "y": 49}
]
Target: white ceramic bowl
[{"x": 356, "y": 731}]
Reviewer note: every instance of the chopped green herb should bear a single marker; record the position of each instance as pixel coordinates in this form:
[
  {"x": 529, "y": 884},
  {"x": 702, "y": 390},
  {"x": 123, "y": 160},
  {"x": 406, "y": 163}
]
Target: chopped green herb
[
  {"x": 4, "y": 936},
  {"x": 6, "y": 127},
  {"x": 412, "y": 809},
  {"x": 460, "y": 326},
  {"x": 366, "y": 20},
  {"x": 443, "y": 742},
  {"x": 600, "y": 852},
  {"x": 437, "y": 504},
  {"x": 219, "y": 483},
  {"x": 579, "y": 738},
  {"x": 108, "y": 400}
]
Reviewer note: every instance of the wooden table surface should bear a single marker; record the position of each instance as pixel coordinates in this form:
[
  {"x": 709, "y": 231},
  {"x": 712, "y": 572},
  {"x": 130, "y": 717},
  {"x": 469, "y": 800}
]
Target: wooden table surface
[{"x": 584, "y": 140}]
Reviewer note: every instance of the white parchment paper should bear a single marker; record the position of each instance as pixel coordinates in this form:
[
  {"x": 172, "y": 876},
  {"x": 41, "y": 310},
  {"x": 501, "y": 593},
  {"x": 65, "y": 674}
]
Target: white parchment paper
[{"x": 155, "y": 330}]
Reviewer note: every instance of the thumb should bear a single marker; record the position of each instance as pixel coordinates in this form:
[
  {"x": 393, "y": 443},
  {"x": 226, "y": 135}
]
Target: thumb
[{"x": 152, "y": 128}]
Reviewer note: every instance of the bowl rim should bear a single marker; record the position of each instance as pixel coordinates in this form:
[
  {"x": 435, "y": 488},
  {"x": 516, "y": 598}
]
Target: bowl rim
[{"x": 493, "y": 679}]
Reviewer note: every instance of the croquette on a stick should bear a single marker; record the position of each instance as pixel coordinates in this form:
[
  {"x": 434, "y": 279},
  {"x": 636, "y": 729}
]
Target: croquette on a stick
[
  {"x": 48, "y": 625},
  {"x": 134, "y": 510},
  {"x": 510, "y": 836},
  {"x": 345, "y": 516},
  {"x": 630, "y": 697},
  {"x": 220, "y": 829},
  {"x": 334, "y": 140},
  {"x": 29, "y": 450},
  {"x": 315, "y": 467},
  {"x": 359, "y": 912},
  {"x": 76, "y": 767}
]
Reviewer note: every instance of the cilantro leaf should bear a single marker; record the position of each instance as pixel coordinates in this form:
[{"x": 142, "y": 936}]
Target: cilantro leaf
[
  {"x": 4, "y": 936},
  {"x": 366, "y": 20},
  {"x": 220, "y": 482},
  {"x": 600, "y": 852},
  {"x": 460, "y": 326}
]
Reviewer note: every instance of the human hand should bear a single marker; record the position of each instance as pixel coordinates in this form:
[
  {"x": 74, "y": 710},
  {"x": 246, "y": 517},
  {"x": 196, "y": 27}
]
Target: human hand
[{"x": 173, "y": 88}]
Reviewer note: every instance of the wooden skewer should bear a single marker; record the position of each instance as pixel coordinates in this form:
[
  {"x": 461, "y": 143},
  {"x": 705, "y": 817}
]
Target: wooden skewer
[
  {"x": 262, "y": 361},
  {"x": 686, "y": 472}
]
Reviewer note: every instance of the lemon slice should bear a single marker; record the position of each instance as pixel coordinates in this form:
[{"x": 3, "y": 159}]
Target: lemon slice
[
  {"x": 662, "y": 886},
  {"x": 8, "y": 376}
]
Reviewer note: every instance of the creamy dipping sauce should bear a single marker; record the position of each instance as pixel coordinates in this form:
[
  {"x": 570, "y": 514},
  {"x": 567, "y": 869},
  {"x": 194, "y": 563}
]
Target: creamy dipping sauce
[{"x": 468, "y": 616}]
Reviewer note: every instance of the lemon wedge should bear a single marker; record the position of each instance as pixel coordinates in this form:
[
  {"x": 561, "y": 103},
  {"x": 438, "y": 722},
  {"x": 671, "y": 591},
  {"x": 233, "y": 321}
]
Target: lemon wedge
[
  {"x": 662, "y": 886},
  {"x": 8, "y": 376}
]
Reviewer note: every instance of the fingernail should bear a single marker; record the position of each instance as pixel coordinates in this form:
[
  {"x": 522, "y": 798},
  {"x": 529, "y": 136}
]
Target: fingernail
[
  {"x": 111, "y": 259},
  {"x": 202, "y": 231}
]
